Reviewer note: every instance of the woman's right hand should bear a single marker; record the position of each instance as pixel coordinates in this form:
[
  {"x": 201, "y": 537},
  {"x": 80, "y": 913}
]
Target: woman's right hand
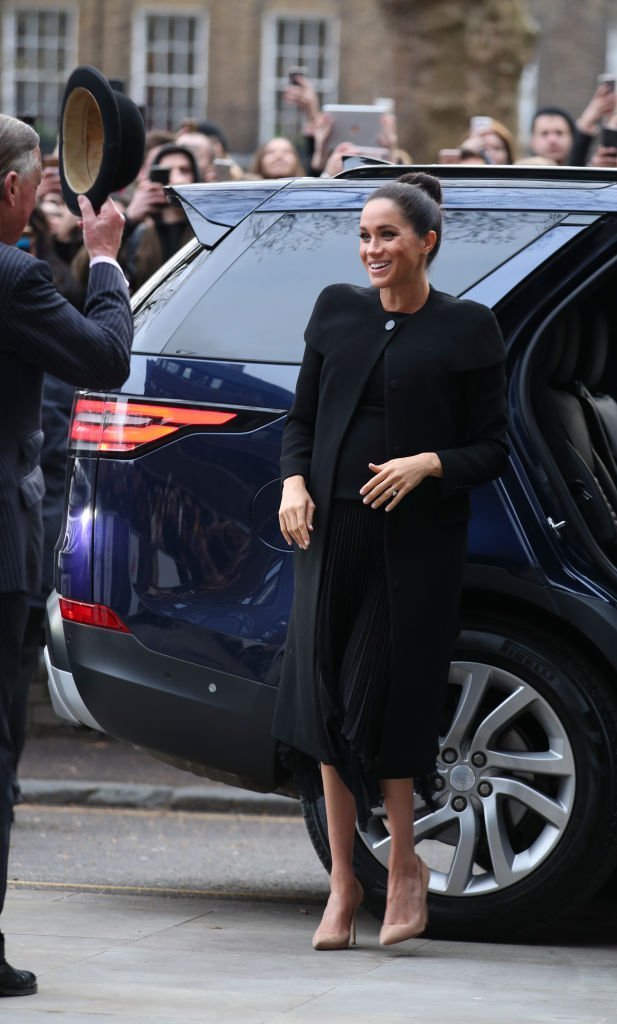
[{"x": 296, "y": 512}]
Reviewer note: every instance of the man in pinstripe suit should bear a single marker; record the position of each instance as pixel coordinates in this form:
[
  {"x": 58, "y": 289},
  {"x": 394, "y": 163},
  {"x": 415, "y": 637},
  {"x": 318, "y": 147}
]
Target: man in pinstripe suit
[{"x": 39, "y": 332}]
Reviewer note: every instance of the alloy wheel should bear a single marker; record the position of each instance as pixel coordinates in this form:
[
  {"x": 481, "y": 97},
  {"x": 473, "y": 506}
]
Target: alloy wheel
[{"x": 505, "y": 786}]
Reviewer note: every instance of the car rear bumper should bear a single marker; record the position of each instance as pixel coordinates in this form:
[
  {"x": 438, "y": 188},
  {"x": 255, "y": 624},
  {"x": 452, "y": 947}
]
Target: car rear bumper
[
  {"x": 211, "y": 722},
  {"x": 65, "y": 697}
]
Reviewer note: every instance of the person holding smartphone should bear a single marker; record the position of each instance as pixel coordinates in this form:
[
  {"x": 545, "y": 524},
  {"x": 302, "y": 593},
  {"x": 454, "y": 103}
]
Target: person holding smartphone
[
  {"x": 589, "y": 125},
  {"x": 605, "y": 153},
  {"x": 164, "y": 228},
  {"x": 301, "y": 93},
  {"x": 492, "y": 139}
]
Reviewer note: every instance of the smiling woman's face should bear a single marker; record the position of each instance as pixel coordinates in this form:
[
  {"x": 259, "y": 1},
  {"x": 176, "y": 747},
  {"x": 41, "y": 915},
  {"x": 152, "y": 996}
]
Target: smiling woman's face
[
  {"x": 278, "y": 159},
  {"x": 390, "y": 249}
]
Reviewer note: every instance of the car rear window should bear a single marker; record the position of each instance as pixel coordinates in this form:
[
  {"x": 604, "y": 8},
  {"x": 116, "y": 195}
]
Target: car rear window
[{"x": 258, "y": 307}]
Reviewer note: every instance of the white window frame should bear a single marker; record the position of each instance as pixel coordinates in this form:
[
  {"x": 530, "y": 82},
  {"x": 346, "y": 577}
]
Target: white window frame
[
  {"x": 610, "y": 57},
  {"x": 270, "y": 82},
  {"x": 9, "y": 50},
  {"x": 527, "y": 100},
  {"x": 141, "y": 80}
]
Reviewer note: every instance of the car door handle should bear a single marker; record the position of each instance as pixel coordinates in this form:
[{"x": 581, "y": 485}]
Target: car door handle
[{"x": 556, "y": 526}]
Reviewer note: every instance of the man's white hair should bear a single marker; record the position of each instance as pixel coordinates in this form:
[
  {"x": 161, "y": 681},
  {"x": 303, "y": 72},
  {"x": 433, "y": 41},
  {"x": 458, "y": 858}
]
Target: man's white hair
[{"x": 18, "y": 146}]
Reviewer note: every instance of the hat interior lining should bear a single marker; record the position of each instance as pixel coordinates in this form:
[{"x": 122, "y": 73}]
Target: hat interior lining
[{"x": 83, "y": 132}]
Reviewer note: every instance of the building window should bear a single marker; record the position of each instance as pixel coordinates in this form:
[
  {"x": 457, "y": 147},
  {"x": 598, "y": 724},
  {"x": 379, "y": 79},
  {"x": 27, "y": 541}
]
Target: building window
[
  {"x": 291, "y": 41},
  {"x": 39, "y": 54},
  {"x": 170, "y": 66}
]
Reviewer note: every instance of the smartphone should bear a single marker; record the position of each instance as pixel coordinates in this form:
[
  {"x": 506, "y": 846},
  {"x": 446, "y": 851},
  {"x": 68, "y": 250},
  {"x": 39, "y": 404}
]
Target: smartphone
[
  {"x": 222, "y": 168},
  {"x": 607, "y": 79},
  {"x": 294, "y": 74},
  {"x": 608, "y": 137},
  {"x": 479, "y": 124},
  {"x": 159, "y": 174}
]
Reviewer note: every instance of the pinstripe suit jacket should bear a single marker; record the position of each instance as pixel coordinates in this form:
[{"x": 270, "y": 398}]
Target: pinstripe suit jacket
[{"x": 40, "y": 332}]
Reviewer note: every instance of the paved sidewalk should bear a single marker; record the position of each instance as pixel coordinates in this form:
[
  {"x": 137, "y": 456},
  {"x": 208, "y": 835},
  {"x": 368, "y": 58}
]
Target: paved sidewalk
[
  {"x": 136, "y": 959},
  {"x": 87, "y": 769}
]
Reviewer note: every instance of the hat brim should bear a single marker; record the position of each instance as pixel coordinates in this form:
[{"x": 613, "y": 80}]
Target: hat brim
[{"x": 102, "y": 139}]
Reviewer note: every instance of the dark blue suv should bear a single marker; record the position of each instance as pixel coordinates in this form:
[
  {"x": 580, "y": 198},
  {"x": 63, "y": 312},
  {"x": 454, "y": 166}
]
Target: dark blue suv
[{"x": 174, "y": 583}]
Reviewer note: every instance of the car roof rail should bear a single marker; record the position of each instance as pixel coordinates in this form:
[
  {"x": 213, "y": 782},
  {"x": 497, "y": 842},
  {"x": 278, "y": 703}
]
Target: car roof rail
[
  {"x": 365, "y": 167},
  {"x": 351, "y": 161}
]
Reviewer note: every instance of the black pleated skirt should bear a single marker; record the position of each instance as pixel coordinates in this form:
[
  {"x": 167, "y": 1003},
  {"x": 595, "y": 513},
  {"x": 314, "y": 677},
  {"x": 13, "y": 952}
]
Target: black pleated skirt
[{"x": 354, "y": 649}]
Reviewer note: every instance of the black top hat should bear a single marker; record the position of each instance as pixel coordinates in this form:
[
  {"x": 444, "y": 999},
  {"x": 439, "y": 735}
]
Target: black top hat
[{"x": 102, "y": 139}]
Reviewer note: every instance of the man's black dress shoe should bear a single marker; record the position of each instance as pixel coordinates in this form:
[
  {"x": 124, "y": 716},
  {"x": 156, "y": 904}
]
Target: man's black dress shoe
[{"x": 12, "y": 981}]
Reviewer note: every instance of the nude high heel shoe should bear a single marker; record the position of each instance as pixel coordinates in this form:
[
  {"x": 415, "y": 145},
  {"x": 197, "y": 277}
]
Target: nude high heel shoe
[
  {"x": 392, "y": 933},
  {"x": 323, "y": 939}
]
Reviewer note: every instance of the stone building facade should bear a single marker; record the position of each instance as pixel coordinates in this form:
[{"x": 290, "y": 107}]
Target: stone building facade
[{"x": 227, "y": 60}]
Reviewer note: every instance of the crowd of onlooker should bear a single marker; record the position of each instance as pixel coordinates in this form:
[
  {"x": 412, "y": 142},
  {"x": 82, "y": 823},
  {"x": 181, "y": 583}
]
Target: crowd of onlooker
[
  {"x": 555, "y": 137},
  {"x": 198, "y": 151}
]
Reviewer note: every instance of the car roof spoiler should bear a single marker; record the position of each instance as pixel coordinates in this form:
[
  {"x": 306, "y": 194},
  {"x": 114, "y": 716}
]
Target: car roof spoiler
[{"x": 215, "y": 210}]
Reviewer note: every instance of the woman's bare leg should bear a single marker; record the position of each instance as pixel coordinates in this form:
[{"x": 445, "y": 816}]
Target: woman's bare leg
[
  {"x": 404, "y": 878},
  {"x": 341, "y": 815}
]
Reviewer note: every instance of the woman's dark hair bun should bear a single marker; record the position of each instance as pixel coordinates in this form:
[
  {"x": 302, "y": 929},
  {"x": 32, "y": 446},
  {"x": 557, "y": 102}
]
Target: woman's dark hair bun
[{"x": 427, "y": 182}]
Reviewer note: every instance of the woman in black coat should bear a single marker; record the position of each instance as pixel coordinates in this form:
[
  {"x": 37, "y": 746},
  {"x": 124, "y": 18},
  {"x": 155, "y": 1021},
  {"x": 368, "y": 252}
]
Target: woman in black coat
[{"x": 399, "y": 410}]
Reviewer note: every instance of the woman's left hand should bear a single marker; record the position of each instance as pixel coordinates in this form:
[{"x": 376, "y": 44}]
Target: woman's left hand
[{"x": 400, "y": 475}]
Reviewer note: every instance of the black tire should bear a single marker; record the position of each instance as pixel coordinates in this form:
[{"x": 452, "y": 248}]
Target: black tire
[{"x": 584, "y": 853}]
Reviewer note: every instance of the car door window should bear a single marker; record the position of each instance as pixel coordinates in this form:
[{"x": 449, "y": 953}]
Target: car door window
[{"x": 257, "y": 309}]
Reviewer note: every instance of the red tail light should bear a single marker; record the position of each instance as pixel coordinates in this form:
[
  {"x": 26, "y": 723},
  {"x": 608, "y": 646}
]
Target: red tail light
[
  {"x": 117, "y": 424},
  {"x": 91, "y": 615}
]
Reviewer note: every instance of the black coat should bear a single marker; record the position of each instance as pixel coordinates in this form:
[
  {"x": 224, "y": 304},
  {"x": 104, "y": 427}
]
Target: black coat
[
  {"x": 445, "y": 393},
  {"x": 40, "y": 332}
]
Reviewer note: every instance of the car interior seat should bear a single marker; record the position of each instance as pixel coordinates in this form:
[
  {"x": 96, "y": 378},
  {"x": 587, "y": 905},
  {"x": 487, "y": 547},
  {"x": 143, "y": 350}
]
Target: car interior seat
[
  {"x": 599, "y": 407},
  {"x": 561, "y": 419}
]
